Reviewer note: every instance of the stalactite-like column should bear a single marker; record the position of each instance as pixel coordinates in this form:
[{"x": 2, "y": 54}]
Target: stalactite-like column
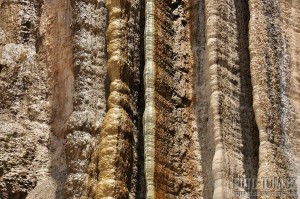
[
  {"x": 89, "y": 93},
  {"x": 115, "y": 151},
  {"x": 117, "y": 124},
  {"x": 274, "y": 33},
  {"x": 113, "y": 172},
  {"x": 149, "y": 114},
  {"x": 108, "y": 149},
  {"x": 231, "y": 113},
  {"x": 218, "y": 165}
]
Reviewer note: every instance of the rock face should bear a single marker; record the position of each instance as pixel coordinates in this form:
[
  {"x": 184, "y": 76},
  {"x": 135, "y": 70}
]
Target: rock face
[{"x": 149, "y": 99}]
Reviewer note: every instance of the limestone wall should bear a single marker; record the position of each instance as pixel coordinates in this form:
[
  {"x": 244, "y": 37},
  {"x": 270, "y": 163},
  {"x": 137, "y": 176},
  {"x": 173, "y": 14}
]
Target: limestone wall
[{"x": 149, "y": 98}]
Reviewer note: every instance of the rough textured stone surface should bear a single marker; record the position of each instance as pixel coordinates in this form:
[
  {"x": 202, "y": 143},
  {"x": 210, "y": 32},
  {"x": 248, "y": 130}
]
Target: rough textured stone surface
[
  {"x": 230, "y": 108},
  {"x": 24, "y": 104},
  {"x": 149, "y": 98},
  {"x": 175, "y": 150},
  {"x": 89, "y": 105},
  {"x": 274, "y": 28},
  {"x": 114, "y": 167}
]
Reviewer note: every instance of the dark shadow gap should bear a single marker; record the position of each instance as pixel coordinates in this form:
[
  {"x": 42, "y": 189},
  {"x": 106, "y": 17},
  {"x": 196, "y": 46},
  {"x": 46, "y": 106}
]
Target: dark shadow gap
[
  {"x": 250, "y": 135},
  {"x": 141, "y": 185}
]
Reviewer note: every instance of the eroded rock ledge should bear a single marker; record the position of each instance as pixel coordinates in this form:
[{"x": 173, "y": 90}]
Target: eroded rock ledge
[{"x": 148, "y": 98}]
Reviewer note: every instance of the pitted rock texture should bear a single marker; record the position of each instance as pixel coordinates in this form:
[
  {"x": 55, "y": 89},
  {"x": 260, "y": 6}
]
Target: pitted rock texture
[
  {"x": 149, "y": 98},
  {"x": 175, "y": 140}
]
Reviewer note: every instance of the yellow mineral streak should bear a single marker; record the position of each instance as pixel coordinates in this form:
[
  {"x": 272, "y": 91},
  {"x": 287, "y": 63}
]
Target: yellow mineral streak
[
  {"x": 117, "y": 120},
  {"x": 149, "y": 114}
]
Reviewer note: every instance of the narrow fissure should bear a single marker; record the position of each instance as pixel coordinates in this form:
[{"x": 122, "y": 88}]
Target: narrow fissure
[
  {"x": 250, "y": 135},
  {"x": 141, "y": 185},
  {"x": 61, "y": 82},
  {"x": 202, "y": 93}
]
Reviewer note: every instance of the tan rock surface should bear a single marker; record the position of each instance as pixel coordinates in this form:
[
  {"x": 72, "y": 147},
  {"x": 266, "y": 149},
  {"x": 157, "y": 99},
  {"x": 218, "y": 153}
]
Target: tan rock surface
[{"x": 149, "y": 99}]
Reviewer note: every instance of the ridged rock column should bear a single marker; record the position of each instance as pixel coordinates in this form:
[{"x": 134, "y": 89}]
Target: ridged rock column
[
  {"x": 231, "y": 115},
  {"x": 274, "y": 49},
  {"x": 172, "y": 151},
  {"x": 113, "y": 172},
  {"x": 88, "y": 24}
]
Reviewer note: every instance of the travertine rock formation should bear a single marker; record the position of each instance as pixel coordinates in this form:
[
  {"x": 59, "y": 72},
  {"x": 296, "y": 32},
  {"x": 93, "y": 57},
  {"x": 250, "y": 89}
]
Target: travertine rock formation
[{"x": 149, "y": 99}]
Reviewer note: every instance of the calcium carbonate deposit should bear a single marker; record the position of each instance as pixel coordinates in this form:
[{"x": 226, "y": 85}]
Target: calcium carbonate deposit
[{"x": 149, "y": 99}]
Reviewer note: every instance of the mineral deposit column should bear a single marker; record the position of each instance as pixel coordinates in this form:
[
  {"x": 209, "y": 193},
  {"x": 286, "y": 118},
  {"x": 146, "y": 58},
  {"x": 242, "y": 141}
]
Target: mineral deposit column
[
  {"x": 88, "y": 101},
  {"x": 231, "y": 115},
  {"x": 113, "y": 171},
  {"x": 274, "y": 49},
  {"x": 172, "y": 152}
]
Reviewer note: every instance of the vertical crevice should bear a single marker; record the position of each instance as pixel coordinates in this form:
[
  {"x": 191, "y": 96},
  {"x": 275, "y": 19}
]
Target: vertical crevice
[
  {"x": 141, "y": 185},
  {"x": 250, "y": 135},
  {"x": 202, "y": 92},
  {"x": 58, "y": 56}
]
